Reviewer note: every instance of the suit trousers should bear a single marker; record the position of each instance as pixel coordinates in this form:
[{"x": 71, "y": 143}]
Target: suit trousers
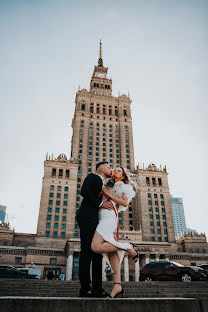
[{"x": 87, "y": 230}]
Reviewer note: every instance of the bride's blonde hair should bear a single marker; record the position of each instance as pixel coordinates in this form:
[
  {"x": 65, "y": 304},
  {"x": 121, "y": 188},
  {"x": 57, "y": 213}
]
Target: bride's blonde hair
[{"x": 130, "y": 178}]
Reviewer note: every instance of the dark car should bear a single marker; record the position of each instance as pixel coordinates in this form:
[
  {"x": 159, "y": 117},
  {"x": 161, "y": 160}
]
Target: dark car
[
  {"x": 165, "y": 270},
  {"x": 205, "y": 268},
  {"x": 11, "y": 272}
]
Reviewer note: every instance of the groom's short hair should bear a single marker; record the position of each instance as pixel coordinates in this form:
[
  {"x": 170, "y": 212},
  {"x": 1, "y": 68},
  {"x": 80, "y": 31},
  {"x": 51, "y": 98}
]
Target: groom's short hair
[{"x": 101, "y": 163}]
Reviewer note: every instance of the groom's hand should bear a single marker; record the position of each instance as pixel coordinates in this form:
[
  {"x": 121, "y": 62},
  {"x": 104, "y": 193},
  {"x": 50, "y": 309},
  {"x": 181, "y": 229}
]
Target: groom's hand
[{"x": 107, "y": 205}]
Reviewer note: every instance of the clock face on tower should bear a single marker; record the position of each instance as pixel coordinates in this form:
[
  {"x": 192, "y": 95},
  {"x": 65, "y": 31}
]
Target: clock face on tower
[{"x": 101, "y": 76}]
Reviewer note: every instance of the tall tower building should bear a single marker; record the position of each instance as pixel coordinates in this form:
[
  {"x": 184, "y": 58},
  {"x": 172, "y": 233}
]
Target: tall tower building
[
  {"x": 152, "y": 208},
  {"x": 178, "y": 216},
  {"x": 102, "y": 129}
]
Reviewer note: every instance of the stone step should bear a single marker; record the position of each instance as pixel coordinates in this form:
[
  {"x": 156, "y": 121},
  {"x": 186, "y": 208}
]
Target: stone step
[{"x": 24, "y": 304}]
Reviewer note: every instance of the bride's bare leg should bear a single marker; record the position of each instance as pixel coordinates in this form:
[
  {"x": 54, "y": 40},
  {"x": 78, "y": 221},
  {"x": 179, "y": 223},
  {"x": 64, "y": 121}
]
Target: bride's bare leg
[
  {"x": 99, "y": 245},
  {"x": 116, "y": 266}
]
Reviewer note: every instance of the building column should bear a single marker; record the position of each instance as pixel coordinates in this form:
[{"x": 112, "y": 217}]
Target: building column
[
  {"x": 126, "y": 268},
  {"x": 147, "y": 258},
  {"x": 69, "y": 267},
  {"x": 157, "y": 257},
  {"x": 103, "y": 270},
  {"x": 137, "y": 271}
]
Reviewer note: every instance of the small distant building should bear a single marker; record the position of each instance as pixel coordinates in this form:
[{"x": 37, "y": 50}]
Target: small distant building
[{"x": 2, "y": 213}]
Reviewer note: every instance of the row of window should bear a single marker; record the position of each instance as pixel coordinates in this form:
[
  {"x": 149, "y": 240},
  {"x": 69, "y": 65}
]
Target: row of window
[
  {"x": 57, "y": 210},
  {"x": 157, "y": 216},
  {"x": 97, "y": 109},
  {"x": 59, "y": 188},
  {"x": 56, "y": 218},
  {"x": 55, "y": 234},
  {"x": 156, "y": 209},
  {"x": 159, "y": 239},
  {"x": 156, "y": 202},
  {"x": 61, "y": 173},
  {"x": 152, "y": 231},
  {"x": 58, "y": 202},
  {"x": 155, "y": 195},
  {"x": 63, "y": 226},
  {"x": 58, "y": 195},
  {"x": 155, "y": 181},
  {"x": 157, "y": 223}
]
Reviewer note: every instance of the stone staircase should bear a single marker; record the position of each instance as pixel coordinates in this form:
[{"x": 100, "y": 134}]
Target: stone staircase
[
  {"x": 62, "y": 296},
  {"x": 44, "y": 288}
]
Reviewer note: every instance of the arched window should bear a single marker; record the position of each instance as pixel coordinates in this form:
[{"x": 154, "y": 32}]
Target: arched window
[{"x": 83, "y": 107}]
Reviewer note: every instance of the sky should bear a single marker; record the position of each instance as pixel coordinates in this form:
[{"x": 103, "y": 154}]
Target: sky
[{"x": 155, "y": 50}]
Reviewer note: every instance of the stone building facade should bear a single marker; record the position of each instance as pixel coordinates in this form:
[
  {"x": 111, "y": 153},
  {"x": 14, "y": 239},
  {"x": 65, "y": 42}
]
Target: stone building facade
[{"x": 102, "y": 130}]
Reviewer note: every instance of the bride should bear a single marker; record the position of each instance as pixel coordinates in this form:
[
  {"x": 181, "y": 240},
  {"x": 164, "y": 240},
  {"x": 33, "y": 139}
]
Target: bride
[{"x": 103, "y": 241}]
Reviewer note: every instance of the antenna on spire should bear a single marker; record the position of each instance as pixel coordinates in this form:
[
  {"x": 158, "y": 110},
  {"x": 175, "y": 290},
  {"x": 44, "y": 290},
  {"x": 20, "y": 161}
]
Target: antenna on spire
[{"x": 100, "y": 61}]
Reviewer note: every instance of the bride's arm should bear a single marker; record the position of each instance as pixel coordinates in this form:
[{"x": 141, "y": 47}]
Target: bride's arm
[{"x": 120, "y": 201}]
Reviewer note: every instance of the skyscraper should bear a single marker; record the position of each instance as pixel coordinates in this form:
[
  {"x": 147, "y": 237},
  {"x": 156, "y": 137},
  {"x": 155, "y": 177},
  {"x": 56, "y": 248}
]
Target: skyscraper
[
  {"x": 102, "y": 128},
  {"x": 178, "y": 216},
  {"x": 2, "y": 213}
]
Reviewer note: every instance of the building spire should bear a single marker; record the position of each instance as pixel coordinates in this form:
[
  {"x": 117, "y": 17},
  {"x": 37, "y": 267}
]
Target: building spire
[{"x": 100, "y": 61}]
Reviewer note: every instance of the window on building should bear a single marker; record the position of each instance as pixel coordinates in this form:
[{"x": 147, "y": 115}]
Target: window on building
[
  {"x": 53, "y": 260},
  {"x": 48, "y": 217},
  {"x": 55, "y": 234},
  {"x": 151, "y": 223},
  {"x": 159, "y": 239},
  {"x": 58, "y": 195},
  {"x": 66, "y": 189},
  {"x": 159, "y": 181},
  {"x": 18, "y": 259},
  {"x": 60, "y": 173},
  {"x": 154, "y": 181},
  {"x": 53, "y": 172},
  {"x": 147, "y": 180},
  {"x": 52, "y": 187},
  {"x": 65, "y": 210},
  {"x": 56, "y": 218},
  {"x": 47, "y": 234},
  {"x": 62, "y": 234},
  {"x": 50, "y": 202},
  {"x": 49, "y": 209},
  {"x": 152, "y": 239},
  {"x": 67, "y": 174},
  {"x": 57, "y": 210},
  {"x": 161, "y": 196},
  {"x": 55, "y": 225},
  {"x": 58, "y": 202}
]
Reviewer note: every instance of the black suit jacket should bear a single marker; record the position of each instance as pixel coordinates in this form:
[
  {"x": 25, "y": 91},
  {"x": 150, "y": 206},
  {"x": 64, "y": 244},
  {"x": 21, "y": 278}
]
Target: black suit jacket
[{"x": 90, "y": 191}]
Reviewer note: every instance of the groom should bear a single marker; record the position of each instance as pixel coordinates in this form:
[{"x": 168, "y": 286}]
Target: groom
[{"x": 87, "y": 219}]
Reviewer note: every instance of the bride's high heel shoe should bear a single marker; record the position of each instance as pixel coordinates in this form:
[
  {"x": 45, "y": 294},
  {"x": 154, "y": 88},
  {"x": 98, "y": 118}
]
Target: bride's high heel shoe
[
  {"x": 136, "y": 256},
  {"x": 119, "y": 293}
]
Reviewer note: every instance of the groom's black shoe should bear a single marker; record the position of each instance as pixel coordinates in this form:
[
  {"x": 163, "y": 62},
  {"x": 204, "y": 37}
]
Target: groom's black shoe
[
  {"x": 100, "y": 294},
  {"x": 85, "y": 294}
]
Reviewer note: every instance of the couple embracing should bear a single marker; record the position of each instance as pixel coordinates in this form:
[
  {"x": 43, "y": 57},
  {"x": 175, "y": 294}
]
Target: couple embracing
[{"x": 97, "y": 219}]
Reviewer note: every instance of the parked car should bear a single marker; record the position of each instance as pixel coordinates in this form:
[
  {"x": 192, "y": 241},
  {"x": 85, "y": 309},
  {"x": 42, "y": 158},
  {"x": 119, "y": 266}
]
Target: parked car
[
  {"x": 205, "y": 267},
  {"x": 11, "y": 272},
  {"x": 165, "y": 270},
  {"x": 31, "y": 271}
]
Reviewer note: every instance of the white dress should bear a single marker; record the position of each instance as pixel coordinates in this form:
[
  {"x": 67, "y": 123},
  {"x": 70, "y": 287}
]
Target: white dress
[{"x": 108, "y": 220}]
